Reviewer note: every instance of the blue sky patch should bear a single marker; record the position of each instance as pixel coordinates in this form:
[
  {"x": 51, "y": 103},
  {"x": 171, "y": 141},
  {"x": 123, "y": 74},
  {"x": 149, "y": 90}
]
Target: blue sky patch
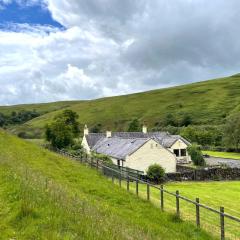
[{"x": 33, "y": 14}]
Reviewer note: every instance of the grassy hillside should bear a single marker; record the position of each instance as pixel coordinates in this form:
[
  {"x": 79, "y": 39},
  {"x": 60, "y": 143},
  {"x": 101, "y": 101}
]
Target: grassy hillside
[
  {"x": 206, "y": 102},
  {"x": 45, "y": 196}
]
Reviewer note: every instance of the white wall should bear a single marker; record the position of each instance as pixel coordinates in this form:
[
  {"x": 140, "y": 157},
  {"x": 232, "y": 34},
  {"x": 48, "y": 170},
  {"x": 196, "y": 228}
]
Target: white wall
[
  {"x": 179, "y": 144},
  {"x": 151, "y": 152},
  {"x": 85, "y": 144}
]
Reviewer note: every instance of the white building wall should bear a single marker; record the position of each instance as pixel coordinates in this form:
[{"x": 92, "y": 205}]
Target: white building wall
[
  {"x": 85, "y": 144},
  {"x": 179, "y": 144},
  {"x": 151, "y": 152}
]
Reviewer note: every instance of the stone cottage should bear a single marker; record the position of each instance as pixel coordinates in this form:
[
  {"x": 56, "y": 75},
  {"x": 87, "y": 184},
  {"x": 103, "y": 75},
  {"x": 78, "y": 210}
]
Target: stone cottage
[{"x": 139, "y": 150}]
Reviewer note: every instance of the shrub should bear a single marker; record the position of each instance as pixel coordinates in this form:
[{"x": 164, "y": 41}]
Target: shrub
[
  {"x": 196, "y": 155},
  {"x": 104, "y": 158},
  {"x": 156, "y": 173}
]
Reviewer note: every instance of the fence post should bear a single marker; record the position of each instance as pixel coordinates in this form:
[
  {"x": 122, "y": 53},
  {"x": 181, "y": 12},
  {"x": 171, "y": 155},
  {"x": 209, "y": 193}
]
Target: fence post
[
  {"x": 148, "y": 191},
  {"x": 120, "y": 180},
  {"x": 128, "y": 183},
  {"x": 177, "y": 204},
  {"x": 197, "y": 213},
  {"x": 222, "y": 223},
  {"x": 112, "y": 177},
  {"x": 97, "y": 164},
  {"x": 161, "y": 194},
  {"x": 91, "y": 161},
  {"x": 137, "y": 187}
]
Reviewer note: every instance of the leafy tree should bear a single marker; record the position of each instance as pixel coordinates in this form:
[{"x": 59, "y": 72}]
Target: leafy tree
[
  {"x": 186, "y": 120},
  {"x": 170, "y": 120},
  {"x": 196, "y": 155},
  {"x": 155, "y": 173},
  {"x": 134, "y": 126},
  {"x": 96, "y": 128},
  {"x": 62, "y": 131},
  {"x": 231, "y": 135}
]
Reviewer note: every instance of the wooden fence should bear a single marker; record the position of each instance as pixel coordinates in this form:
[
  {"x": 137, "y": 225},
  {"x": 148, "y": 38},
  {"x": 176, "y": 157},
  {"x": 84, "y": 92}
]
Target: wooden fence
[{"x": 120, "y": 176}]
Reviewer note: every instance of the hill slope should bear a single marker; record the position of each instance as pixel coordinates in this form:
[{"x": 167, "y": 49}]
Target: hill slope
[
  {"x": 206, "y": 102},
  {"x": 45, "y": 196}
]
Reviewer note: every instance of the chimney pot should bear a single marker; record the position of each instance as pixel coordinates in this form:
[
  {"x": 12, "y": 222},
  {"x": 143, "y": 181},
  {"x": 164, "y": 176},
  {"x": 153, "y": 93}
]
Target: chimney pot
[
  {"x": 85, "y": 131},
  {"x": 108, "y": 134},
  {"x": 144, "y": 129}
]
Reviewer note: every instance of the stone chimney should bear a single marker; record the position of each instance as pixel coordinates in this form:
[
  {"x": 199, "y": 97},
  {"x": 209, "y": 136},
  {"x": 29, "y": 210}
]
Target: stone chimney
[
  {"x": 144, "y": 128},
  {"x": 108, "y": 134},
  {"x": 85, "y": 131}
]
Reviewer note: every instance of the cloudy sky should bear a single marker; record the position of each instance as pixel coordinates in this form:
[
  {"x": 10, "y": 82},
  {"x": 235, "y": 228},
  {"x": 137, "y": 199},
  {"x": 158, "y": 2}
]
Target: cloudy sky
[{"x": 54, "y": 50}]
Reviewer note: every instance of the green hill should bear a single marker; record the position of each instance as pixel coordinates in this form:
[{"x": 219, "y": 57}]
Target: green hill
[
  {"x": 45, "y": 196},
  {"x": 207, "y": 102}
]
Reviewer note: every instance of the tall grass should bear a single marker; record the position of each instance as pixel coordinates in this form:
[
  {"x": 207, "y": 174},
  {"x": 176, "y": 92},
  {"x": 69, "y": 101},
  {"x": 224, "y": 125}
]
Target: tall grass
[{"x": 44, "y": 196}]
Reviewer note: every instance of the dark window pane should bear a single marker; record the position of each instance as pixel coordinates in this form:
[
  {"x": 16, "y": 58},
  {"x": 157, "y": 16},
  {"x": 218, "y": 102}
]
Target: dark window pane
[
  {"x": 176, "y": 152},
  {"x": 183, "y": 152}
]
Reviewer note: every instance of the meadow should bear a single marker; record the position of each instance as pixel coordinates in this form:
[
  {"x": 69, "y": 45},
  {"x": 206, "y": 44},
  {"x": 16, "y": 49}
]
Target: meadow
[
  {"x": 232, "y": 155},
  {"x": 213, "y": 194},
  {"x": 46, "y": 196},
  {"x": 201, "y": 101}
]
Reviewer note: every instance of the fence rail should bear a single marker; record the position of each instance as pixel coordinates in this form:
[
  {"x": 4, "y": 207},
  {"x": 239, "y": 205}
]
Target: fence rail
[{"x": 121, "y": 175}]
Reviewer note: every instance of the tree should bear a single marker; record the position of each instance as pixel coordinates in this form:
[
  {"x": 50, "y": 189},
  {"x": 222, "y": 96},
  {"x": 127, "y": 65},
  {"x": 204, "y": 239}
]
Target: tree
[
  {"x": 170, "y": 120},
  {"x": 155, "y": 173},
  {"x": 231, "y": 135},
  {"x": 134, "y": 126},
  {"x": 186, "y": 120},
  {"x": 196, "y": 155},
  {"x": 62, "y": 131}
]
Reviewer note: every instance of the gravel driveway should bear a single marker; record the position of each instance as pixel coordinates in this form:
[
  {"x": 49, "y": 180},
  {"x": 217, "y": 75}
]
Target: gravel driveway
[{"x": 232, "y": 163}]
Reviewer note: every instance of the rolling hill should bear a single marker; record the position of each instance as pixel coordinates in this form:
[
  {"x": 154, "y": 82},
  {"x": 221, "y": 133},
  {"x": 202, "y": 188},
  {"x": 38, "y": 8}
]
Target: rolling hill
[
  {"x": 46, "y": 196},
  {"x": 207, "y": 102}
]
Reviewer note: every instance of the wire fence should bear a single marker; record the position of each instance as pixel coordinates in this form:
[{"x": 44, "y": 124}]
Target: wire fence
[{"x": 216, "y": 221}]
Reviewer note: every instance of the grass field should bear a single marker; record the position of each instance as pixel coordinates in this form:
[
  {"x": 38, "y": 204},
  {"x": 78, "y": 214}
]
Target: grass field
[
  {"x": 213, "y": 194},
  {"x": 201, "y": 101},
  {"x": 223, "y": 154},
  {"x": 46, "y": 196}
]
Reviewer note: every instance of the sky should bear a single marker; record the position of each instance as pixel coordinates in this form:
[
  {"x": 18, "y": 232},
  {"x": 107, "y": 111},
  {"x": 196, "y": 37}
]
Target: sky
[{"x": 52, "y": 50}]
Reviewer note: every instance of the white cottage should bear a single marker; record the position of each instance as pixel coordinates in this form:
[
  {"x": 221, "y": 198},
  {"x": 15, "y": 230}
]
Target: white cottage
[{"x": 139, "y": 150}]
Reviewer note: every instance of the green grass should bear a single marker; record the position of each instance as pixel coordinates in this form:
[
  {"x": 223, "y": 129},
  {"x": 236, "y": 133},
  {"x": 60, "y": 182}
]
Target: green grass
[
  {"x": 46, "y": 196},
  {"x": 223, "y": 154},
  {"x": 207, "y": 102},
  {"x": 213, "y": 194}
]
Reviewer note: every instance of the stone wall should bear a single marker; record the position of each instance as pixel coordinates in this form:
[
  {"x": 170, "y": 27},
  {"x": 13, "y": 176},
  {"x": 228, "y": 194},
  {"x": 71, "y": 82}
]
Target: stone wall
[{"x": 205, "y": 174}]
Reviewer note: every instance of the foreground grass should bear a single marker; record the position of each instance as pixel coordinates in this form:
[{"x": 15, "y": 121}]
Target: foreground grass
[
  {"x": 213, "y": 194},
  {"x": 45, "y": 196},
  {"x": 223, "y": 154}
]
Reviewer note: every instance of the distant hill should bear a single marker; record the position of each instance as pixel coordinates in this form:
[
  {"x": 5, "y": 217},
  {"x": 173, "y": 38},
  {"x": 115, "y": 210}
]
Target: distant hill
[
  {"x": 207, "y": 102},
  {"x": 46, "y": 196}
]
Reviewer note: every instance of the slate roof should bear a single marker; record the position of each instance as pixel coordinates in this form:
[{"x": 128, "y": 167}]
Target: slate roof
[
  {"x": 119, "y": 147},
  {"x": 164, "y": 138}
]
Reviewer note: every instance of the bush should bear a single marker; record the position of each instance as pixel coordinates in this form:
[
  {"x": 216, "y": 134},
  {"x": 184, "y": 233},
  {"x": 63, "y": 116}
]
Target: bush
[
  {"x": 156, "y": 173},
  {"x": 196, "y": 155},
  {"x": 104, "y": 158}
]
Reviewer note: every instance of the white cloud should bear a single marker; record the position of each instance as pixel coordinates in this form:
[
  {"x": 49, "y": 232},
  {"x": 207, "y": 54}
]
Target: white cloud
[{"x": 111, "y": 47}]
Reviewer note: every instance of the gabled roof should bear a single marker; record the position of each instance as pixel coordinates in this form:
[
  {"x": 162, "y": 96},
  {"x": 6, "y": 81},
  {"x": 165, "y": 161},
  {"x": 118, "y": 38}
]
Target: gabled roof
[
  {"x": 93, "y": 138},
  {"x": 119, "y": 147},
  {"x": 164, "y": 138}
]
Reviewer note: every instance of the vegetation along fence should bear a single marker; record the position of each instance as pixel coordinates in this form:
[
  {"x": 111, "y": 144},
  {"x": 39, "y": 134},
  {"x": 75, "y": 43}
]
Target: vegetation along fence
[{"x": 218, "y": 222}]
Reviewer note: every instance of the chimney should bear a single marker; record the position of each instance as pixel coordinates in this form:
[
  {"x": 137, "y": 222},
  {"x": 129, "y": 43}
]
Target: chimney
[
  {"x": 108, "y": 134},
  {"x": 85, "y": 131},
  {"x": 144, "y": 129}
]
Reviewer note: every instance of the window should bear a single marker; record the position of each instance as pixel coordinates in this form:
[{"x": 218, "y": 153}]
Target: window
[
  {"x": 118, "y": 162},
  {"x": 183, "y": 152},
  {"x": 176, "y": 152}
]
